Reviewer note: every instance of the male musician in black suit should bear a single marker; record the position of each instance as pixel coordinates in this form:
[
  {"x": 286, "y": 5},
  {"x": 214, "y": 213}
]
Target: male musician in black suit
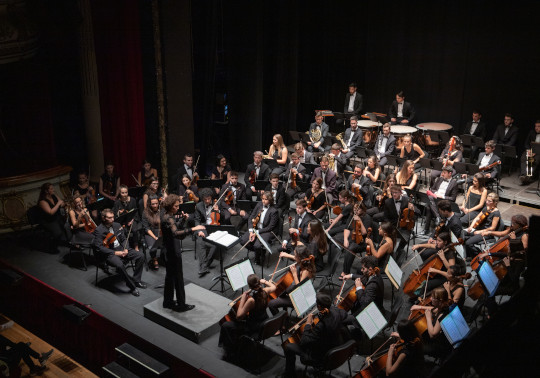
[
  {"x": 384, "y": 145},
  {"x": 329, "y": 179},
  {"x": 278, "y": 193},
  {"x": 394, "y": 206},
  {"x": 352, "y": 138},
  {"x": 126, "y": 203},
  {"x": 533, "y": 137},
  {"x": 260, "y": 170},
  {"x": 401, "y": 112},
  {"x": 300, "y": 223},
  {"x": 340, "y": 163},
  {"x": 203, "y": 212},
  {"x": 322, "y": 127},
  {"x": 119, "y": 252},
  {"x": 444, "y": 187},
  {"x": 296, "y": 168},
  {"x": 268, "y": 220},
  {"x": 353, "y": 101},
  {"x": 475, "y": 127},
  {"x": 303, "y": 155},
  {"x": 369, "y": 285},
  {"x": 485, "y": 159},
  {"x": 506, "y": 133},
  {"x": 239, "y": 193},
  {"x": 357, "y": 179},
  {"x": 186, "y": 169}
]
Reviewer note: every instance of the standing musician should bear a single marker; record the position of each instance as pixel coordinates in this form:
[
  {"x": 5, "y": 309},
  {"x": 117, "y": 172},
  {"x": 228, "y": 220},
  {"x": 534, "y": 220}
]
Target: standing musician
[
  {"x": 172, "y": 234},
  {"x": 81, "y": 221},
  {"x": 444, "y": 187},
  {"x": 377, "y": 211},
  {"x": 449, "y": 222},
  {"x": 278, "y": 152},
  {"x": 256, "y": 171},
  {"x": 409, "y": 362},
  {"x": 406, "y": 176},
  {"x": 533, "y": 161},
  {"x": 51, "y": 218},
  {"x": 278, "y": 194},
  {"x": 302, "y": 269},
  {"x": 187, "y": 190},
  {"x": 358, "y": 181},
  {"x": 411, "y": 151},
  {"x": 206, "y": 212},
  {"x": 316, "y": 199},
  {"x": 117, "y": 251},
  {"x": 109, "y": 184},
  {"x": 294, "y": 174},
  {"x": 300, "y": 224},
  {"x": 474, "y": 199},
  {"x": 317, "y": 339},
  {"x": 487, "y": 220},
  {"x": 151, "y": 224},
  {"x": 401, "y": 112},
  {"x": 238, "y": 191},
  {"x": 338, "y": 224},
  {"x": 355, "y": 225},
  {"x": 329, "y": 179},
  {"x": 373, "y": 171},
  {"x": 353, "y": 101},
  {"x": 486, "y": 159},
  {"x": 146, "y": 174},
  {"x": 318, "y": 245},
  {"x": 387, "y": 231},
  {"x": 352, "y": 138},
  {"x": 221, "y": 169},
  {"x": 385, "y": 145},
  {"x": 153, "y": 190},
  {"x": 123, "y": 204},
  {"x": 250, "y": 316},
  {"x": 318, "y": 130},
  {"x": 263, "y": 219},
  {"x": 506, "y": 133},
  {"x": 187, "y": 168},
  {"x": 448, "y": 157},
  {"x": 303, "y": 155}
]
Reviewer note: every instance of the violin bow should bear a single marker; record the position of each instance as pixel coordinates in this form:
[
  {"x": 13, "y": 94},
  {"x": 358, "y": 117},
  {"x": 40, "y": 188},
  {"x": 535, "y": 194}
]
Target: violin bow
[
  {"x": 272, "y": 277},
  {"x": 282, "y": 269},
  {"x": 244, "y": 246},
  {"x": 328, "y": 205},
  {"x": 134, "y": 178},
  {"x": 425, "y": 287},
  {"x": 340, "y": 292},
  {"x": 289, "y": 178},
  {"x": 127, "y": 237}
]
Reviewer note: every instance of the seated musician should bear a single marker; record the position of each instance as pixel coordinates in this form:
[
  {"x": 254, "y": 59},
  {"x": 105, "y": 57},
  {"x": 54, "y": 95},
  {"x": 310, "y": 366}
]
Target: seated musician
[
  {"x": 411, "y": 151},
  {"x": 384, "y": 145},
  {"x": 187, "y": 168},
  {"x": 188, "y": 191},
  {"x": 477, "y": 128},
  {"x": 377, "y": 211},
  {"x": 250, "y": 316},
  {"x": 448, "y": 159},
  {"x": 449, "y": 222},
  {"x": 302, "y": 269},
  {"x": 487, "y": 220},
  {"x": 373, "y": 171},
  {"x": 281, "y": 203},
  {"x": 435, "y": 342},
  {"x": 318, "y": 130},
  {"x": 354, "y": 235},
  {"x": 51, "y": 217},
  {"x": 146, "y": 174},
  {"x": 122, "y": 205},
  {"x": 266, "y": 220},
  {"x": 206, "y": 212},
  {"x": 359, "y": 183},
  {"x": 152, "y": 226},
  {"x": 454, "y": 286},
  {"x": 299, "y": 225},
  {"x": 117, "y": 252},
  {"x": 353, "y": 101},
  {"x": 303, "y": 155},
  {"x": 387, "y": 231},
  {"x": 506, "y": 133},
  {"x": 329, "y": 179},
  {"x": 337, "y": 163},
  {"x": 317, "y": 339},
  {"x": 278, "y": 152},
  {"x": 352, "y": 138},
  {"x": 221, "y": 169},
  {"x": 533, "y": 137},
  {"x": 485, "y": 160},
  {"x": 81, "y": 221},
  {"x": 153, "y": 190},
  {"x": 294, "y": 174},
  {"x": 406, "y": 176},
  {"x": 239, "y": 193},
  {"x": 394, "y": 206},
  {"x": 316, "y": 199},
  {"x": 474, "y": 199},
  {"x": 369, "y": 285},
  {"x": 83, "y": 188},
  {"x": 318, "y": 245},
  {"x": 409, "y": 361},
  {"x": 401, "y": 112},
  {"x": 444, "y": 187},
  {"x": 109, "y": 184},
  {"x": 256, "y": 171},
  {"x": 337, "y": 225},
  {"x": 446, "y": 253}
]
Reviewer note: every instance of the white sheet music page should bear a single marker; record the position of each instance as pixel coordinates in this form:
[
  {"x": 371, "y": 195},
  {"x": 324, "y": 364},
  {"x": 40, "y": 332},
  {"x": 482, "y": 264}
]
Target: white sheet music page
[
  {"x": 455, "y": 327},
  {"x": 223, "y": 238},
  {"x": 303, "y": 297},
  {"x": 459, "y": 248},
  {"x": 394, "y": 272},
  {"x": 371, "y": 320},
  {"x": 246, "y": 268},
  {"x": 236, "y": 278}
]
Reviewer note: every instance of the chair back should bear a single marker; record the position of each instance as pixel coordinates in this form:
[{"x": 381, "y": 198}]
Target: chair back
[
  {"x": 272, "y": 325},
  {"x": 337, "y": 356}
]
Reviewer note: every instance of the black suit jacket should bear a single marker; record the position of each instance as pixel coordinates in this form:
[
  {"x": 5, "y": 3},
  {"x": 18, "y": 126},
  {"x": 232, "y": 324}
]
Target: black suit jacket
[
  {"x": 240, "y": 193},
  {"x": 451, "y": 190},
  {"x": 101, "y": 232},
  {"x": 390, "y": 146},
  {"x": 280, "y": 201},
  {"x": 304, "y": 236},
  {"x": 320, "y": 338},
  {"x": 509, "y": 139},
  {"x": 357, "y": 103},
  {"x": 308, "y": 158},
  {"x": 301, "y": 169},
  {"x": 454, "y": 225},
  {"x": 264, "y": 173},
  {"x": 373, "y": 292},
  {"x": 390, "y": 213},
  {"x": 330, "y": 179},
  {"x": 408, "y": 110},
  {"x": 480, "y": 129},
  {"x": 270, "y": 221},
  {"x": 200, "y": 212},
  {"x": 493, "y": 171},
  {"x": 530, "y": 139},
  {"x": 357, "y": 139}
]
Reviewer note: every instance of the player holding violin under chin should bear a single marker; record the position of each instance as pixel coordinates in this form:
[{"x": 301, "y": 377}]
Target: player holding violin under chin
[{"x": 231, "y": 192}]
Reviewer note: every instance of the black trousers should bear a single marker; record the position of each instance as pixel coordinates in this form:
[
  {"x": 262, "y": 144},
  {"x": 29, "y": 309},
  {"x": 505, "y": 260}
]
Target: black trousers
[
  {"x": 291, "y": 351},
  {"x": 205, "y": 252},
  {"x": 174, "y": 278},
  {"x": 119, "y": 263},
  {"x": 17, "y": 352}
]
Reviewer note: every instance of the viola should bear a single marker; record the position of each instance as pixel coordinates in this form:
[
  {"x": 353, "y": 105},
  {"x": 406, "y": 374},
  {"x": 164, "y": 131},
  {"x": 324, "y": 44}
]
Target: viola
[
  {"x": 88, "y": 223},
  {"x": 335, "y": 209},
  {"x": 502, "y": 245},
  {"x": 107, "y": 187},
  {"x": 191, "y": 196},
  {"x": 407, "y": 218},
  {"x": 383, "y": 198},
  {"x": 310, "y": 202},
  {"x": 255, "y": 221},
  {"x": 215, "y": 216},
  {"x": 92, "y": 198},
  {"x": 356, "y": 193},
  {"x": 252, "y": 177},
  {"x": 357, "y": 232},
  {"x": 482, "y": 218},
  {"x": 293, "y": 180},
  {"x": 488, "y": 167},
  {"x": 229, "y": 197},
  {"x": 438, "y": 229},
  {"x": 110, "y": 238},
  {"x": 476, "y": 290}
]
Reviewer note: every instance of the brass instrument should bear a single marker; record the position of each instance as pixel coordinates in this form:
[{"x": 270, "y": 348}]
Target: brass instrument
[
  {"x": 340, "y": 138},
  {"x": 332, "y": 162},
  {"x": 315, "y": 135},
  {"x": 530, "y": 162}
]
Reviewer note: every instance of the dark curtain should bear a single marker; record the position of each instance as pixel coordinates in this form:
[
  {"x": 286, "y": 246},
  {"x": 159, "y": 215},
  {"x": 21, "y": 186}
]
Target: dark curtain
[{"x": 118, "y": 53}]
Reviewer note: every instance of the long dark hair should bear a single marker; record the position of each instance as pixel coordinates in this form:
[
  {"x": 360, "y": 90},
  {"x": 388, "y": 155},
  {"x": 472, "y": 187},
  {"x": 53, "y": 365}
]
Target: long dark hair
[
  {"x": 259, "y": 295},
  {"x": 153, "y": 218},
  {"x": 305, "y": 260},
  {"x": 318, "y": 236},
  {"x": 44, "y": 190},
  {"x": 390, "y": 231}
]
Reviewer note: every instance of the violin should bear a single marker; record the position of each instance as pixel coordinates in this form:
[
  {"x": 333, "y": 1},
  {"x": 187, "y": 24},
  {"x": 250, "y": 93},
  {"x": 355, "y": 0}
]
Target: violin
[
  {"x": 451, "y": 149},
  {"x": 376, "y": 363},
  {"x": 298, "y": 329},
  {"x": 255, "y": 221},
  {"x": 407, "y": 218},
  {"x": 92, "y": 198},
  {"x": 293, "y": 180},
  {"x": 481, "y": 219},
  {"x": 488, "y": 167},
  {"x": 88, "y": 223},
  {"x": 438, "y": 229},
  {"x": 383, "y": 198},
  {"x": 418, "y": 276},
  {"x": 110, "y": 238},
  {"x": 229, "y": 197},
  {"x": 357, "y": 232},
  {"x": 310, "y": 202},
  {"x": 107, "y": 187},
  {"x": 215, "y": 215},
  {"x": 476, "y": 290},
  {"x": 252, "y": 177},
  {"x": 502, "y": 245},
  {"x": 356, "y": 193},
  {"x": 335, "y": 209}
]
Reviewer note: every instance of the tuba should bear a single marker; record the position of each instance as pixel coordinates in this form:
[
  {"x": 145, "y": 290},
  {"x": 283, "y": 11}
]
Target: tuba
[
  {"x": 530, "y": 162},
  {"x": 340, "y": 138},
  {"x": 315, "y": 135}
]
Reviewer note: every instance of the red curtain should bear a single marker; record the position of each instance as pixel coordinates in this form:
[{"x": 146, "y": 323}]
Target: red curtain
[{"x": 118, "y": 53}]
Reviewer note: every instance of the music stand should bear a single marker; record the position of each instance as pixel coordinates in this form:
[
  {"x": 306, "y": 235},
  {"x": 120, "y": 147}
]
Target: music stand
[
  {"x": 238, "y": 272},
  {"x": 425, "y": 163},
  {"x": 207, "y": 183},
  {"x": 126, "y": 217},
  {"x": 272, "y": 163},
  {"x": 505, "y": 152},
  {"x": 211, "y": 229},
  {"x": 246, "y": 205},
  {"x": 296, "y": 135},
  {"x": 188, "y": 208},
  {"x": 98, "y": 205},
  {"x": 310, "y": 168},
  {"x": 361, "y": 152},
  {"x": 136, "y": 191},
  {"x": 260, "y": 185}
]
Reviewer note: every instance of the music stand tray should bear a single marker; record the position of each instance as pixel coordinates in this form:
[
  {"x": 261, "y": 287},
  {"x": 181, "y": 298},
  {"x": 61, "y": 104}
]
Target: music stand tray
[
  {"x": 187, "y": 207},
  {"x": 272, "y": 163},
  {"x": 245, "y": 205},
  {"x": 98, "y": 205},
  {"x": 310, "y": 168},
  {"x": 207, "y": 183},
  {"x": 436, "y": 165},
  {"x": 261, "y": 184},
  {"x": 136, "y": 191}
]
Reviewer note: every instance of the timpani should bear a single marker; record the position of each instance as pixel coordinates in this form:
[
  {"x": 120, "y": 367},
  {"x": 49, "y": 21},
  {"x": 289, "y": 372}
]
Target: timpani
[
  {"x": 400, "y": 131},
  {"x": 424, "y": 127},
  {"x": 369, "y": 130}
]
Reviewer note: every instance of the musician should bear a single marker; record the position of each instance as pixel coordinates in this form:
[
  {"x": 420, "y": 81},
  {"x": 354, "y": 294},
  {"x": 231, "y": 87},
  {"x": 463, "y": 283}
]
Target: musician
[
  {"x": 205, "y": 210},
  {"x": 409, "y": 362},
  {"x": 258, "y": 171},
  {"x": 124, "y": 203},
  {"x": 187, "y": 168},
  {"x": 173, "y": 232},
  {"x": 394, "y": 206},
  {"x": 476, "y": 127},
  {"x": 358, "y": 181},
  {"x": 352, "y": 138},
  {"x": 109, "y": 184},
  {"x": 406, "y": 176},
  {"x": 317, "y": 339},
  {"x": 487, "y": 158},
  {"x": 84, "y": 189},
  {"x": 401, "y": 112},
  {"x": 300, "y": 224},
  {"x": 318, "y": 245},
  {"x": 250, "y": 316},
  {"x": 318, "y": 130},
  {"x": 278, "y": 152},
  {"x": 267, "y": 216},
  {"x": 446, "y": 188},
  {"x": 369, "y": 285},
  {"x": 302, "y": 269},
  {"x": 491, "y": 218},
  {"x": 296, "y": 168},
  {"x": 388, "y": 234},
  {"x": 385, "y": 145},
  {"x": 51, "y": 217},
  {"x": 533, "y": 137},
  {"x": 454, "y": 286},
  {"x": 221, "y": 169},
  {"x": 377, "y": 211},
  {"x": 316, "y": 199},
  {"x": 474, "y": 199},
  {"x": 353, "y": 101},
  {"x": 355, "y": 225},
  {"x": 506, "y": 133},
  {"x": 373, "y": 171},
  {"x": 154, "y": 190},
  {"x": 278, "y": 193},
  {"x": 80, "y": 219},
  {"x": 449, "y": 159},
  {"x": 118, "y": 252},
  {"x": 449, "y": 222},
  {"x": 146, "y": 174},
  {"x": 187, "y": 191},
  {"x": 411, "y": 151},
  {"x": 151, "y": 224},
  {"x": 329, "y": 179},
  {"x": 239, "y": 193},
  {"x": 338, "y": 224},
  {"x": 303, "y": 155}
]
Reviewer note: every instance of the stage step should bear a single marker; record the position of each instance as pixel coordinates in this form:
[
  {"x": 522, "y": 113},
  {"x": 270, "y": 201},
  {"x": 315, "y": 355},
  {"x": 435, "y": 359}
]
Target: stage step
[
  {"x": 150, "y": 365},
  {"x": 115, "y": 370}
]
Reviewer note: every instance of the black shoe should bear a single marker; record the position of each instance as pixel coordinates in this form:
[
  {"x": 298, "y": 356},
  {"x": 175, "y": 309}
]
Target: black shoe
[
  {"x": 141, "y": 285},
  {"x": 45, "y": 356},
  {"x": 37, "y": 370},
  {"x": 203, "y": 273},
  {"x": 522, "y": 178},
  {"x": 135, "y": 292},
  {"x": 184, "y": 308}
]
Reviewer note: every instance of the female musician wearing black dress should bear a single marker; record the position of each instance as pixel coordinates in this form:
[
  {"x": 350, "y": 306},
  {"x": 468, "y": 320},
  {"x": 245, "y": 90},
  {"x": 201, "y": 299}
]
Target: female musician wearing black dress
[
  {"x": 221, "y": 169},
  {"x": 410, "y": 359},
  {"x": 318, "y": 246},
  {"x": 52, "y": 219},
  {"x": 373, "y": 170},
  {"x": 146, "y": 174},
  {"x": 474, "y": 200},
  {"x": 154, "y": 190},
  {"x": 109, "y": 185},
  {"x": 172, "y": 234},
  {"x": 449, "y": 158},
  {"x": 316, "y": 199},
  {"x": 78, "y": 216},
  {"x": 278, "y": 152},
  {"x": 411, "y": 151},
  {"x": 387, "y": 232},
  {"x": 151, "y": 223},
  {"x": 187, "y": 191},
  {"x": 406, "y": 176}
]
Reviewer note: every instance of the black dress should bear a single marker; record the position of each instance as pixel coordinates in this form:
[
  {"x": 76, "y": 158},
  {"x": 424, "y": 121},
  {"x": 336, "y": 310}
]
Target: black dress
[
  {"x": 317, "y": 202},
  {"x": 53, "y": 223}
]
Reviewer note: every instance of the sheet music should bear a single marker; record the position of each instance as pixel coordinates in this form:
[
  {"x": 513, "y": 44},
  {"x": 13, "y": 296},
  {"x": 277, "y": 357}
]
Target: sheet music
[
  {"x": 488, "y": 278},
  {"x": 238, "y": 274},
  {"x": 223, "y": 238},
  {"x": 263, "y": 242},
  {"x": 303, "y": 298},
  {"x": 459, "y": 248},
  {"x": 371, "y": 320},
  {"x": 246, "y": 268},
  {"x": 455, "y": 327},
  {"x": 394, "y": 272}
]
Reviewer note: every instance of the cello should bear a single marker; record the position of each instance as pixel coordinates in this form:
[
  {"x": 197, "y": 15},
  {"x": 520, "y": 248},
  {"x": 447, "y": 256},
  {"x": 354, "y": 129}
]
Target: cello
[
  {"x": 298, "y": 329},
  {"x": 476, "y": 290},
  {"x": 502, "y": 245}
]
